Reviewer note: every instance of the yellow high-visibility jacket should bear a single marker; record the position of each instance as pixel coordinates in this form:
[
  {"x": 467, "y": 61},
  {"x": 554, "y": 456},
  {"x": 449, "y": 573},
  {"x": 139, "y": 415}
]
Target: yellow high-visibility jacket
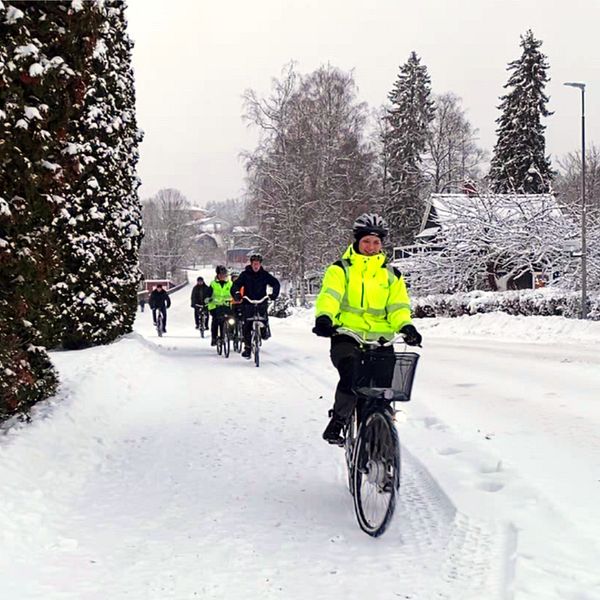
[
  {"x": 221, "y": 294},
  {"x": 364, "y": 294}
]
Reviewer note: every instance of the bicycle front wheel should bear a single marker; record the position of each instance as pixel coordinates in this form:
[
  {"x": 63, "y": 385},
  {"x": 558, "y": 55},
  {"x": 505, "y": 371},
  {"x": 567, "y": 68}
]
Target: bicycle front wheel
[
  {"x": 256, "y": 346},
  {"x": 159, "y": 325},
  {"x": 226, "y": 341},
  {"x": 376, "y": 473}
]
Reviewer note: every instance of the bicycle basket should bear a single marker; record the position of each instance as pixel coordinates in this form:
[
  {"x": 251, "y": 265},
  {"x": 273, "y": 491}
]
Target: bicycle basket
[{"x": 387, "y": 375}]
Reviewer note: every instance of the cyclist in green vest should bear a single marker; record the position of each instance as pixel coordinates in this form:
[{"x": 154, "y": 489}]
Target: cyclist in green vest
[
  {"x": 364, "y": 294},
  {"x": 219, "y": 304}
]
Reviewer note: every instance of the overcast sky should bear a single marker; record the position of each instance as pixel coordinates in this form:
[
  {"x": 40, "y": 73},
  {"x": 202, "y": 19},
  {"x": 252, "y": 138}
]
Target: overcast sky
[{"x": 193, "y": 59}]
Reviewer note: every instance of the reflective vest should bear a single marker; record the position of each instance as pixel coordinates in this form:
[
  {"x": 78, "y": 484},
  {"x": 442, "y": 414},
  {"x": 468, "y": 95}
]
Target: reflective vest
[
  {"x": 221, "y": 294},
  {"x": 364, "y": 294}
]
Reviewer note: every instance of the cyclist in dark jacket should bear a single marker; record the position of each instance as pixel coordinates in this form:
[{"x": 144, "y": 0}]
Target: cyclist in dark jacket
[
  {"x": 254, "y": 279},
  {"x": 159, "y": 300},
  {"x": 200, "y": 293}
]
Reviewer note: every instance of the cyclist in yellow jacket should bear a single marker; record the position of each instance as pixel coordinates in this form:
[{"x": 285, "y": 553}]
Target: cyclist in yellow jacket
[
  {"x": 219, "y": 304},
  {"x": 364, "y": 294}
]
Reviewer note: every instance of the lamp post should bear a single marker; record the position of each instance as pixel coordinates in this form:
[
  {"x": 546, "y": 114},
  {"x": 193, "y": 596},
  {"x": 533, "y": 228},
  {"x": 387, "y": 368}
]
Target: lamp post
[{"x": 581, "y": 86}]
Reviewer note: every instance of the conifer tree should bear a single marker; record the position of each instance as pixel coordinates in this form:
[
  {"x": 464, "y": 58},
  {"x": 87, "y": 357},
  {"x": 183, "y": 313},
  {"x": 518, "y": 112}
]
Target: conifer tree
[
  {"x": 34, "y": 100},
  {"x": 519, "y": 163},
  {"x": 100, "y": 224},
  {"x": 408, "y": 120}
]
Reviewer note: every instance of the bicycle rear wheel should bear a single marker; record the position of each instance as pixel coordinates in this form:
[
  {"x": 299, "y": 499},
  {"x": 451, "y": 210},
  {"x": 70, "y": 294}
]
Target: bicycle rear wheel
[{"x": 376, "y": 473}]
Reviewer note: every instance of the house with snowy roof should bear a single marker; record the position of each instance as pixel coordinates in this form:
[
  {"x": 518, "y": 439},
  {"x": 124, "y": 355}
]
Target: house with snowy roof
[{"x": 513, "y": 230}]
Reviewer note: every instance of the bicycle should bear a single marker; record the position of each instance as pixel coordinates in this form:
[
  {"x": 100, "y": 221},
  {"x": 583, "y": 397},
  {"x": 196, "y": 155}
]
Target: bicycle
[
  {"x": 224, "y": 334},
  {"x": 258, "y": 322},
  {"x": 371, "y": 443},
  {"x": 202, "y": 318}
]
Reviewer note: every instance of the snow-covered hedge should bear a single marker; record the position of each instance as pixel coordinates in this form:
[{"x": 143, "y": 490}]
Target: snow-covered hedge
[{"x": 543, "y": 302}]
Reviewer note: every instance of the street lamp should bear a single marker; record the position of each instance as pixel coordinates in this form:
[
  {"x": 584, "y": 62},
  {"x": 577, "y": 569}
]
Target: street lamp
[{"x": 581, "y": 86}]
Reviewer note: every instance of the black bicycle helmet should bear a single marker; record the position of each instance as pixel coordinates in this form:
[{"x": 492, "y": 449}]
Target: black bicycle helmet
[
  {"x": 257, "y": 257},
  {"x": 370, "y": 224}
]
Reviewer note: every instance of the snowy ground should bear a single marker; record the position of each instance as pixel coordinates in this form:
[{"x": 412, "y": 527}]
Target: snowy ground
[{"x": 162, "y": 471}]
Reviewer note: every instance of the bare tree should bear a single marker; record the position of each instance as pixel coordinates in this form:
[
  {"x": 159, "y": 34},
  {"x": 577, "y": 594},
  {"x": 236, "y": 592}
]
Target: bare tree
[
  {"x": 453, "y": 156},
  {"x": 168, "y": 234},
  {"x": 312, "y": 170},
  {"x": 568, "y": 181}
]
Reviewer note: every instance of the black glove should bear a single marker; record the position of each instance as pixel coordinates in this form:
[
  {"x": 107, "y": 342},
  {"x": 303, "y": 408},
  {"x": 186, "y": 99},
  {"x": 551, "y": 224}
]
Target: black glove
[
  {"x": 272, "y": 297},
  {"x": 323, "y": 327},
  {"x": 411, "y": 336},
  {"x": 237, "y": 296}
]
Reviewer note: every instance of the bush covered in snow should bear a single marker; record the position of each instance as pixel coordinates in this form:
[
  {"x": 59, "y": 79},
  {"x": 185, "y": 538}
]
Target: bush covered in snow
[{"x": 546, "y": 302}]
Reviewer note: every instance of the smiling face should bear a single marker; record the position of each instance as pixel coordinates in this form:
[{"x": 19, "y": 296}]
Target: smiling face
[{"x": 369, "y": 245}]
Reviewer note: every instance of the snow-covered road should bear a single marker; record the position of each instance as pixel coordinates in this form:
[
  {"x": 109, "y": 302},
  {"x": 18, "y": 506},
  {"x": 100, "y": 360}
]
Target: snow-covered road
[{"x": 163, "y": 471}]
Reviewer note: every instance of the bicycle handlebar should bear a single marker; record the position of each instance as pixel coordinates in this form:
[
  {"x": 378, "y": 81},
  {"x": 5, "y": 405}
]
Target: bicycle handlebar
[
  {"x": 255, "y": 301},
  {"x": 380, "y": 342}
]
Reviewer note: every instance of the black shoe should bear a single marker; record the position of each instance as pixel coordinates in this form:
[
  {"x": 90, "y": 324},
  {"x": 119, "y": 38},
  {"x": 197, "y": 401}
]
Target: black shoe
[
  {"x": 332, "y": 433},
  {"x": 213, "y": 342},
  {"x": 265, "y": 334},
  {"x": 164, "y": 331},
  {"x": 197, "y": 326},
  {"x": 246, "y": 353}
]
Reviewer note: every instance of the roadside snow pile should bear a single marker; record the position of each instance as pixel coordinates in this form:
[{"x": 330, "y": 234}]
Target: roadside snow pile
[
  {"x": 500, "y": 326},
  {"x": 496, "y": 325}
]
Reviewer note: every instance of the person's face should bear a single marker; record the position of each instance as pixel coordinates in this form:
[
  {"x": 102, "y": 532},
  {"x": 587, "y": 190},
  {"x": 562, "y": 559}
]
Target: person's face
[
  {"x": 222, "y": 276},
  {"x": 159, "y": 288},
  {"x": 200, "y": 282},
  {"x": 369, "y": 245},
  {"x": 255, "y": 264}
]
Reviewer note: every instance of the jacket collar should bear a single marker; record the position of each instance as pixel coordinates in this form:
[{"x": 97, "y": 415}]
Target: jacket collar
[{"x": 353, "y": 257}]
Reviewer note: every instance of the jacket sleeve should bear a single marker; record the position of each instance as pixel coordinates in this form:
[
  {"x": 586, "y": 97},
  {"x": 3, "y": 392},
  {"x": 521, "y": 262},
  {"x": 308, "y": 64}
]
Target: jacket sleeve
[
  {"x": 398, "y": 304},
  {"x": 274, "y": 283},
  {"x": 237, "y": 284},
  {"x": 193, "y": 299},
  {"x": 168, "y": 298},
  {"x": 152, "y": 300},
  {"x": 331, "y": 293}
]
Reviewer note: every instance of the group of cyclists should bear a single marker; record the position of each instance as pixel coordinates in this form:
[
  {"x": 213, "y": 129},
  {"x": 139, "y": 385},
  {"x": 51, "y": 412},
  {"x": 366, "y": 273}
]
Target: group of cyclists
[
  {"x": 360, "y": 292},
  {"x": 225, "y": 295}
]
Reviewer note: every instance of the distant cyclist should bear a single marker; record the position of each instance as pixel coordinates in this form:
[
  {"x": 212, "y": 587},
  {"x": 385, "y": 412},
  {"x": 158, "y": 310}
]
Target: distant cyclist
[
  {"x": 200, "y": 294},
  {"x": 254, "y": 281},
  {"x": 364, "y": 294},
  {"x": 219, "y": 303},
  {"x": 159, "y": 300}
]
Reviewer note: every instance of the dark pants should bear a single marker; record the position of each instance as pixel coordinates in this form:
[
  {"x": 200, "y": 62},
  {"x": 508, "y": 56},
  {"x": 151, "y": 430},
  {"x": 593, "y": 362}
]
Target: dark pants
[
  {"x": 218, "y": 315},
  {"x": 163, "y": 310},
  {"x": 247, "y": 327},
  {"x": 197, "y": 311},
  {"x": 347, "y": 359}
]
